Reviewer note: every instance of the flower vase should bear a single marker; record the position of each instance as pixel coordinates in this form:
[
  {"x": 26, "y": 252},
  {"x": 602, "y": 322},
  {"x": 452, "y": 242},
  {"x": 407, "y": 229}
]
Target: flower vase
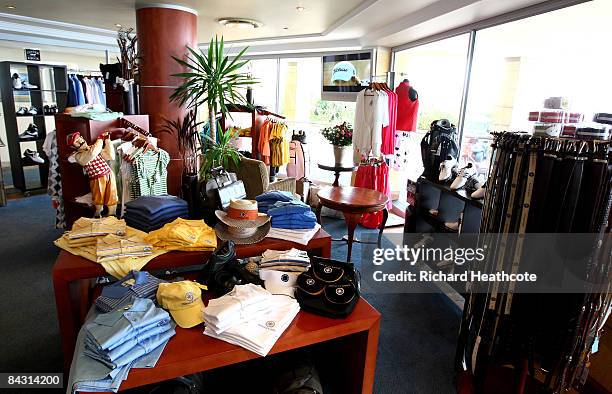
[{"x": 340, "y": 153}]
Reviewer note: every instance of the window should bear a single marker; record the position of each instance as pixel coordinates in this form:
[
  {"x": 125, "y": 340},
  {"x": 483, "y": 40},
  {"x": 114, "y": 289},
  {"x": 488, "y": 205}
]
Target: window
[
  {"x": 519, "y": 64},
  {"x": 300, "y": 102},
  {"x": 265, "y": 72},
  {"x": 437, "y": 72}
]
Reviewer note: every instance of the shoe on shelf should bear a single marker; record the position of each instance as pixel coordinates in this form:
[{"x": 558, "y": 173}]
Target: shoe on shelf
[
  {"x": 33, "y": 110},
  {"x": 30, "y": 134},
  {"x": 17, "y": 83},
  {"x": 46, "y": 110},
  {"x": 447, "y": 169},
  {"x": 27, "y": 85},
  {"x": 464, "y": 174},
  {"x": 22, "y": 111},
  {"x": 33, "y": 156},
  {"x": 480, "y": 192}
]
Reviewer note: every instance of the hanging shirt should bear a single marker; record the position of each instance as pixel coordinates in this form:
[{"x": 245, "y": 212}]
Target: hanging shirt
[
  {"x": 371, "y": 115},
  {"x": 407, "y": 110},
  {"x": 388, "y": 132}
]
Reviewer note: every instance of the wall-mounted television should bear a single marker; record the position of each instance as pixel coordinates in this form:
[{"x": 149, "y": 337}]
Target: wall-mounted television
[{"x": 344, "y": 75}]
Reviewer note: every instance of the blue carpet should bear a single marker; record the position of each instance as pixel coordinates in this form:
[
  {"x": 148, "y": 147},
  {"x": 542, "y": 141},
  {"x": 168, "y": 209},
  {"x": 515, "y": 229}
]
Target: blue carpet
[{"x": 418, "y": 331}]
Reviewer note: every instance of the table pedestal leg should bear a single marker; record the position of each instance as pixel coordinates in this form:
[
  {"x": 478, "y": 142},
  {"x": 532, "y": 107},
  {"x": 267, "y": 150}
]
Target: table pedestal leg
[
  {"x": 351, "y": 220},
  {"x": 318, "y": 212},
  {"x": 337, "y": 176},
  {"x": 382, "y": 225}
]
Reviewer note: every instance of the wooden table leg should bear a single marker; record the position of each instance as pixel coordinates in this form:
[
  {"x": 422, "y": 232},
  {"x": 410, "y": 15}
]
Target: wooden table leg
[
  {"x": 65, "y": 317},
  {"x": 370, "y": 358},
  {"x": 318, "y": 212},
  {"x": 382, "y": 225},
  {"x": 337, "y": 177},
  {"x": 351, "y": 220}
]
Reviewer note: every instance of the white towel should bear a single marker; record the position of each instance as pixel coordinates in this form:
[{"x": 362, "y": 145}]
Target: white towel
[{"x": 301, "y": 237}]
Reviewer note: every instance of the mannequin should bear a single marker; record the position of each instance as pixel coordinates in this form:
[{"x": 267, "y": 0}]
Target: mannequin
[{"x": 407, "y": 106}]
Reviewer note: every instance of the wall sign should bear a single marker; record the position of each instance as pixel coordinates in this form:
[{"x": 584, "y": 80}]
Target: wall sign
[{"x": 32, "y": 54}]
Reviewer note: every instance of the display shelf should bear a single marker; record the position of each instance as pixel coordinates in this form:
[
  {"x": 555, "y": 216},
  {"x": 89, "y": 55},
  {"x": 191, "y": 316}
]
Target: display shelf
[
  {"x": 57, "y": 75},
  {"x": 40, "y": 90}
]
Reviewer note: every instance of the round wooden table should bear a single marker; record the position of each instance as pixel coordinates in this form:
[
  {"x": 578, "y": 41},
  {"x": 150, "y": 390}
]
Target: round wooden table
[
  {"x": 353, "y": 202},
  {"x": 337, "y": 169}
]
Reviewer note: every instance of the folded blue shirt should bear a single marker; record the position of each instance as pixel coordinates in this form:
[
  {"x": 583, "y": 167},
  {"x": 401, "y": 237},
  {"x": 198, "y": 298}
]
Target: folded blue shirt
[
  {"x": 172, "y": 212},
  {"x": 288, "y": 208},
  {"x": 154, "y": 204},
  {"x": 294, "y": 225},
  {"x": 275, "y": 195},
  {"x": 308, "y": 216}
]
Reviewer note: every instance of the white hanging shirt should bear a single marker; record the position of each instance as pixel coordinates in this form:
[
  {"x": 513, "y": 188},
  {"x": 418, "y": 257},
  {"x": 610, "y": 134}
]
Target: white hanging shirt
[{"x": 371, "y": 115}]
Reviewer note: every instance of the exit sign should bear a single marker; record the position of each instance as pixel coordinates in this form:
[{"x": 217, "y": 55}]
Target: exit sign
[{"x": 32, "y": 54}]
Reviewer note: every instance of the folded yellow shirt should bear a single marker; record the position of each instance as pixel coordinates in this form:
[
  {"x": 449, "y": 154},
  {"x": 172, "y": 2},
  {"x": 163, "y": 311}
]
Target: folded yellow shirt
[
  {"x": 183, "y": 234},
  {"x": 117, "y": 268},
  {"x": 88, "y": 227},
  {"x": 113, "y": 247}
]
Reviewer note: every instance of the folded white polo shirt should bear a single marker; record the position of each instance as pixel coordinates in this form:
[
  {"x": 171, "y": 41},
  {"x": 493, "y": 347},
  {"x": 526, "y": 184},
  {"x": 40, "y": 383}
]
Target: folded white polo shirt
[
  {"x": 242, "y": 303},
  {"x": 261, "y": 333}
]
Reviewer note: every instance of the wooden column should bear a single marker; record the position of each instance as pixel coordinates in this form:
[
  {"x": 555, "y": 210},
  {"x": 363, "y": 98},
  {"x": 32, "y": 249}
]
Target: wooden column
[{"x": 163, "y": 32}]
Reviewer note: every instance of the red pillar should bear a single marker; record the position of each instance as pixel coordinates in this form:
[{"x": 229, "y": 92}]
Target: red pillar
[{"x": 163, "y": 32}]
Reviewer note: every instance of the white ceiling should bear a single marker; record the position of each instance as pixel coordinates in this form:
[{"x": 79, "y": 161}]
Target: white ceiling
[{"x": 323, "y": 25}]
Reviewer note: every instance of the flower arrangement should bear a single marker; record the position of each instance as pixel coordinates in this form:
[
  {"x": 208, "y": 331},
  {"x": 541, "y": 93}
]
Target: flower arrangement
[{"x": 339, "y": 135}]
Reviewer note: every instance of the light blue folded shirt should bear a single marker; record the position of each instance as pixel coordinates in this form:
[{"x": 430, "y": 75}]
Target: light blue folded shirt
[
  {"x": 281, "y": 208},
  {"x": 110, "y": 330},
  {"x": 307, "y": 216},
  {"x": 137, "y": 351},
  {"x": 89, "y": 374}
]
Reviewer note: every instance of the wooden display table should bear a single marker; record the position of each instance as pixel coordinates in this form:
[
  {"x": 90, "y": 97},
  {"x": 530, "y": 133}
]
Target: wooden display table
[
  {"x": 353, "y": 202},
  {"x": 72, "y": 277},
  {"x": 352, "y": 341},
  {"x": 337, "y": 169}
]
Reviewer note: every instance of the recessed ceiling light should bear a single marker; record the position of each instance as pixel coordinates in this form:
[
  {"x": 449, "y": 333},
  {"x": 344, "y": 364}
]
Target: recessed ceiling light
[
  {"x": 11, "y": 7},
  {"x": 241, "y": 23},
  {"x": 300, "y": 8},
  {"x": 118, "y": 25},
  {"x": 285, "y": 28}
]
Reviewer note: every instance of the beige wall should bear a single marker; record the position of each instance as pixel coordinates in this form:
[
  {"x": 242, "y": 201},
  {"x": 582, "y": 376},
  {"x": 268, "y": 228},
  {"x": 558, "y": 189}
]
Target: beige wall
[{"x": 72, "y": 58}]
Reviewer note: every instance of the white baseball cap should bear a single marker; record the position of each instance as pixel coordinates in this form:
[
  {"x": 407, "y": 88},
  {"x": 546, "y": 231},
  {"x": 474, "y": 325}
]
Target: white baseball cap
[
  {"x": 279, "y": 282},
  {"x": 343, "y": 71}
]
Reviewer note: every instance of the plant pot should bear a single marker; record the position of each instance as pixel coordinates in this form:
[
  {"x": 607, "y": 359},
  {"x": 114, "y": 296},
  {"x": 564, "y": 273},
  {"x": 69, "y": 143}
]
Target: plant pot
[
  {"x": 130, "y": 100},
  {"x": 190, "y": 193},
  {"x": 340, "y": 154}
]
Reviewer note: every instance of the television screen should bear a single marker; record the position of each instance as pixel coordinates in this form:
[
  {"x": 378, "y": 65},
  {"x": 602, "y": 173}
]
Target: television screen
[{"x": 346, "y": 73}]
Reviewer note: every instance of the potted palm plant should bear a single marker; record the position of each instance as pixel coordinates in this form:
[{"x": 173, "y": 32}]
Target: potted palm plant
[
  {"x": 188, "y": 132},
  {"x": 212, "y": 79}
]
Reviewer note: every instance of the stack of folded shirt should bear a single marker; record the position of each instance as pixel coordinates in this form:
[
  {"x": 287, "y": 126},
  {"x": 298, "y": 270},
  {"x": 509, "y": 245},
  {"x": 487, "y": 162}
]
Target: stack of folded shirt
[
  {"x": 182, "y": 234},
  {"x": 148, "y": 213},
  {"x": 113, "y": 247},
  {"x": 301, "y": 237},
  {"x": 136, "y": 284},
  {"x": 292, "y": 215},
  {"x": 267, "y": 199},
  {"x": 113, "y": 343},
  {"x": 86, "y": 231},
  {"x": 293, "y": 260},
  {"x": 243, "y": 303},
  {"x": 261, "y": 330}
]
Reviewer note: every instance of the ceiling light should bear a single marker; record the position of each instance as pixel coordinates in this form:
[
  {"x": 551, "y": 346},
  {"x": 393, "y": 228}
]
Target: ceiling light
[
  {"x": 11, "y": 7},
  {"x": 118, "y": 25},
  {"x": 300, "y": 8},
  {"x": 241, "y": 23},
  {"x": 285, "y": 28}
]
